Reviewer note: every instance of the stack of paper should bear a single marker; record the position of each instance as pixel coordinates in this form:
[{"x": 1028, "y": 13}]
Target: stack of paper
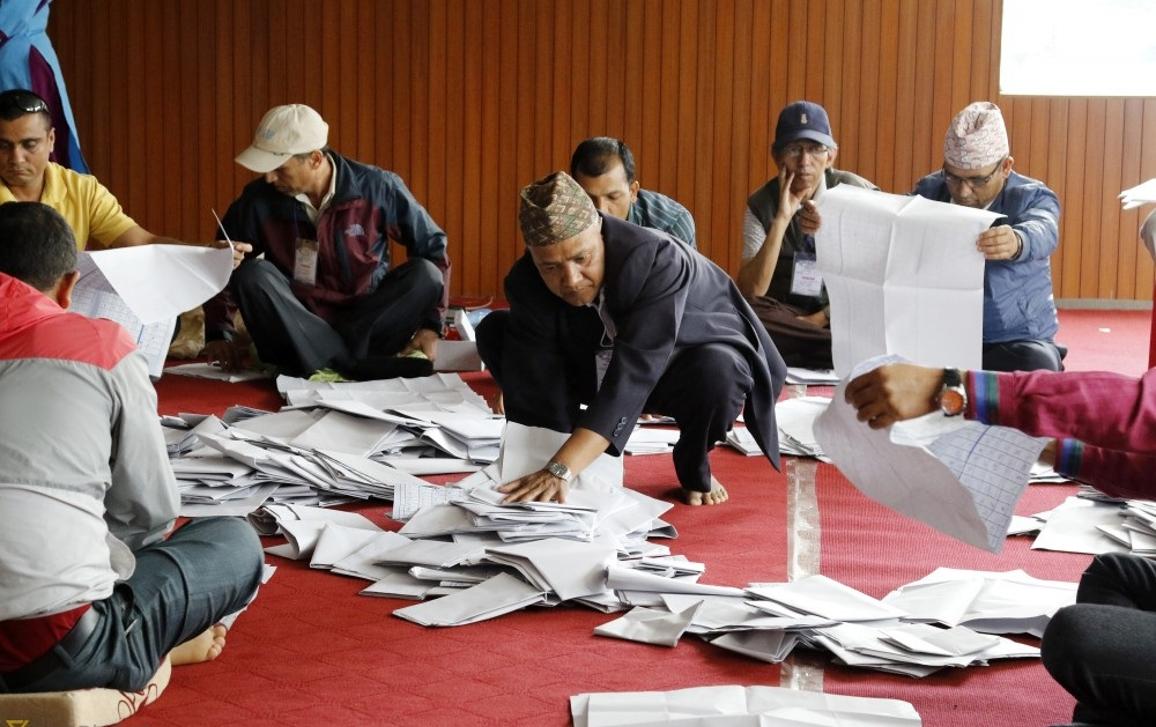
[
  {"x": 1080, "y": 525},
  {"x": 497, "y": 596},
  {"x": 731, "y": 706},
  {"x": 993, "y": 603}
]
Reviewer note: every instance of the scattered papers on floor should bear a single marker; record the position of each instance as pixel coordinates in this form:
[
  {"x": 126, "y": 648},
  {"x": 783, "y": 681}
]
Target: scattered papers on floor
[
  {"x": 960, "y": 477},
  {"x": 209, "y": 371},
  {"x": 994, "y": 603},
  {"x": 727, "y": 706},
  {"x": 904, "y": 277},
  {"x": 338, "y": 443}
]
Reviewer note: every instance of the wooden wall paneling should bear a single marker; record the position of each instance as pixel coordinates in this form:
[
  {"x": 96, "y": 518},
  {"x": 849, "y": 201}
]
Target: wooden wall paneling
[
  {"x": 471, "y": 99},
  {"x": 1147, "y": 152},
  {"x": 528, "y": 131},
  {"x": 1058, "y": 177},
  {"x": 1072, "y": 205},
  {"x": 1110, "y": 205},
  {"x": 562, "y": 111},
  {"x": 688, "y": 118},
  {"x": 983, "y": 53},
  {"x": 726, "y": 201},
  {"x": 698, "y": 198},
  {"x": 795, "y": 39},
  {"x": 618, "y": 45},
  {"x": 602, "y": 49},
  {"x": 506, "y": 242},
  {"x": 1130, "y": 220},
  {"x": 363, "y": 101},
  {"x": 647, "y": 151},
  {"x": 944, "y": 61},
  {"x": 761, "y": 116},
  {"x": 886, "y": 143},
  {"x": 395, "y": 108},
  {"x": 963, "y": 54},
  {"x": 421, "y": 91},
  {"x": 927, "y": 144},
  {"x": 583, "y": 45},
  {"x": 487, "y": 59},
  {"x": 634, "y": 99},
  {"x": 741, "y": 180},
  {"x": 1094, "y": 179},
  {"x": 903, "y": 173},
  {"x": 832, "y": 53},
  {"x": 816, "y": 19},
  {"x": 454, "y": 163},
  {"x": 850, "y": 155},
  {"x": 542, "y": 92},
  {"x": 130, "y": 171},
  {"x": 869, "y": 69},
  {"x": 668, "y": 78}
]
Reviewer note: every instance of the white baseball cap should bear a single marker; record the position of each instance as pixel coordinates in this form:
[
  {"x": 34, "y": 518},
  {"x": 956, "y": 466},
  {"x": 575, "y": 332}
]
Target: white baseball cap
[{"x": 283, "y": 132}]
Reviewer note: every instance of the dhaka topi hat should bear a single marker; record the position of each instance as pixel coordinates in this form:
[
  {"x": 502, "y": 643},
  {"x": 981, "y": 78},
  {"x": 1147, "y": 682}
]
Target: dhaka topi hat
[
  {"x": 553, "y": 209},
  {"x": 976, "y": 137}
]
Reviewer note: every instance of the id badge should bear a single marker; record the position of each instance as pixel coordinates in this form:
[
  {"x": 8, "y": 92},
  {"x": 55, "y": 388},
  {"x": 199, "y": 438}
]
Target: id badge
[
  {"x": 806, "y": 278},
  {"x": 305, "y": 261}
]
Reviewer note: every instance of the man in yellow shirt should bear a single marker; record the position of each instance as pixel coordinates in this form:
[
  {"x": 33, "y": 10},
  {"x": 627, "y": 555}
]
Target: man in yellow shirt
[{"x": 26, "y": 140}]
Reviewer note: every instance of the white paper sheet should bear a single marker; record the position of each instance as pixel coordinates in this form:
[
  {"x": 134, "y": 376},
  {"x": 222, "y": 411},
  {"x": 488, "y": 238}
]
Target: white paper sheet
[
  {"x": 904, "y": 277},
  {"x": 965, "y": 484}
]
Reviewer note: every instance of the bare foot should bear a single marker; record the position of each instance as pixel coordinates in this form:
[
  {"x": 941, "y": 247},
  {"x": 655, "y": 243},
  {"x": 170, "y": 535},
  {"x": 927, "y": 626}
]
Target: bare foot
[
  {"x": 204, "y": 647},
  {"x": 717, "y": 495}
]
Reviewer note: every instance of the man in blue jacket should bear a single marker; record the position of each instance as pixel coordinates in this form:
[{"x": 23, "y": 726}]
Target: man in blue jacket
[
  {"x": 1019, "y": 312},
  {"x": 326, "y": 297}
]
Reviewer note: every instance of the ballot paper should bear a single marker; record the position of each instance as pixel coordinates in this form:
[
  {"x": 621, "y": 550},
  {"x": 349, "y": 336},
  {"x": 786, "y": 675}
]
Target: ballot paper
[
  {"x": 497, "y": 596},
  {"x": 458, "y": 356},
  {"x": 904, "y": 277},
  {"x": 571, "y": 569},
  {"x": 719, "y": 706},
  {"x": 649, "y": 626},
  {"x": 144, "y": 288},
  {"x": 989, "y": 602},
  {"x": 964, "y": 482},
  {"x": 814, "y": 377},
  {"x": 796, "y": 420},
  {"x": 822, "y": 596},
  {"x": 1072, "y": 528}
]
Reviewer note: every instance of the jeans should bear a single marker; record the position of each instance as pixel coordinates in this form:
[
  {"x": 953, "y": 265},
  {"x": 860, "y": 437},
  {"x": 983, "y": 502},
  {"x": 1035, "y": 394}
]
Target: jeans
[{"x": 206, "y": 570}]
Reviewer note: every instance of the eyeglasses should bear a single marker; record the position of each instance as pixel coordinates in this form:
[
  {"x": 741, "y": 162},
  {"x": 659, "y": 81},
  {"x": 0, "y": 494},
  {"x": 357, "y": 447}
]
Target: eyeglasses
[
  {"x": 796, "y": 151},
  {"x": 973, "y": 183},
  {"x": 19, "y": 101}
]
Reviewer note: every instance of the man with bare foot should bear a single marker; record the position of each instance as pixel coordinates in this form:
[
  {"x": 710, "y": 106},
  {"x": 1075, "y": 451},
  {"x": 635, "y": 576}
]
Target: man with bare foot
[
  {"x": 92, "y": 593},
  {"x": 607, "y": 320}
]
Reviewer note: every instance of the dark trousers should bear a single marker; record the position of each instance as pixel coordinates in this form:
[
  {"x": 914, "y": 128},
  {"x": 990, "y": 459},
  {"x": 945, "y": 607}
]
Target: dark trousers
[
  {"x": 293, "y": 338},
  {"x": 207, "y": 570},
  {"x": 800, "y": 343},
  {"x": 1023, "y": 356},
  {"x": 1101, "y": 649},
  {"x": 703, "y": 388}
]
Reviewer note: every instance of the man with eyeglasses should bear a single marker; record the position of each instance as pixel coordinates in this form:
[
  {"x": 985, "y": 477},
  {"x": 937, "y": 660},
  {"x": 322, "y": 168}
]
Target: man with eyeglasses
[
  {"x": 27, "y": 139},
  {"x": 1019, "y": 312},
  {"x": 779, "y": 274},
  {"x": 604, "y": 167}
]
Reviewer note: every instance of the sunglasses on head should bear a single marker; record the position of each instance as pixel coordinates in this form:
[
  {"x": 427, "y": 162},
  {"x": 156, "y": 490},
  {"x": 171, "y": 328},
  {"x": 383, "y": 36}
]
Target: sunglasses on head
[{"x": 19, "y": 100}]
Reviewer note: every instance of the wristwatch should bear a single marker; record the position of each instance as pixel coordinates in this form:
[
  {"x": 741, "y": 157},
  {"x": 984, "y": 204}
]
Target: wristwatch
[
  {"x": 952, "y": 397},
  {"x": 558, "y": 470}
]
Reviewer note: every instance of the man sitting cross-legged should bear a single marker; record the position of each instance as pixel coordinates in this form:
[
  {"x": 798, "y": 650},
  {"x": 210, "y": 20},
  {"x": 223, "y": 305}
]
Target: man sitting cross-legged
[{"x": 92, "y": 594}]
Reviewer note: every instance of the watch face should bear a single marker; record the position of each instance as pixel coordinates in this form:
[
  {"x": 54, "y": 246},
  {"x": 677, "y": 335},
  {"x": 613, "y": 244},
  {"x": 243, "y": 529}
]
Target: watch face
[{"x": 951, "y": 402}]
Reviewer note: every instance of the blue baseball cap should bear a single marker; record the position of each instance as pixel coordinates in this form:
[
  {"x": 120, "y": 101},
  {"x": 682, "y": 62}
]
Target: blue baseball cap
[{"x": 803, "y": 120}]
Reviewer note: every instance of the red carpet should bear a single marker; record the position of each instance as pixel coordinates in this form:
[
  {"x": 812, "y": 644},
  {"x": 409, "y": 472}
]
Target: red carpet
[{"x": 311, "y": 651}]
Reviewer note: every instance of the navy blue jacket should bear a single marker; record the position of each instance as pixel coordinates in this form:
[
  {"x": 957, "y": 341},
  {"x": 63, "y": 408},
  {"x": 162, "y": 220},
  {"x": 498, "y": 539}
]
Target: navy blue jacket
[{"x": 1017, "y": 294}]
